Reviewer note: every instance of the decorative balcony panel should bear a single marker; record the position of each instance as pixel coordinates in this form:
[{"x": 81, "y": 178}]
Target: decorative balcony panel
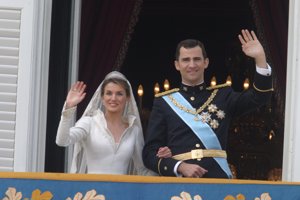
[{"x": 60, "y": 186}]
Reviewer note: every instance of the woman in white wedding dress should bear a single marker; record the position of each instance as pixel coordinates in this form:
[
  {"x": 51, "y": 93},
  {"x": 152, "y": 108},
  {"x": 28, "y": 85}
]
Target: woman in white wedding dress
[{"x": 108, "y": 137}]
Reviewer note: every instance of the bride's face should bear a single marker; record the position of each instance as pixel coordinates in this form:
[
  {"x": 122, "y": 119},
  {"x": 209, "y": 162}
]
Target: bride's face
[{"x": 114, "y": 98}]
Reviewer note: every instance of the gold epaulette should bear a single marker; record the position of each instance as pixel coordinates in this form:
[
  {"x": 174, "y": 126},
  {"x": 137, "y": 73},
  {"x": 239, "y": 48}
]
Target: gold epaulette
[
  {"x": 218, "y": 86},
  {"x": 167, "y": 92}
]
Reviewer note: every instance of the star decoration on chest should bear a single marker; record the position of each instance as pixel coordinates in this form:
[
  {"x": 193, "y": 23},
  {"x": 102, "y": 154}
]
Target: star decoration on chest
[
  {"x": 205, "y": 117},
  {"x": 220, "y": 114},
  {"x": 214, "y": 124},
  {"x": 212, "y": 108}
]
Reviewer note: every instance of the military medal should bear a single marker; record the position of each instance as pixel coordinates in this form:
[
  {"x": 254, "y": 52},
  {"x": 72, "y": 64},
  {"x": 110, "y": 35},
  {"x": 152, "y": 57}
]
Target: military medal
[{"x": 205, "y": 117}]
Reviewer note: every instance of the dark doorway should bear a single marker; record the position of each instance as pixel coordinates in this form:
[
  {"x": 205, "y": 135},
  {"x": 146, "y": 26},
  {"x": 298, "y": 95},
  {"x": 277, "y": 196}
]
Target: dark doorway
[{"x": 162, "y": 24}]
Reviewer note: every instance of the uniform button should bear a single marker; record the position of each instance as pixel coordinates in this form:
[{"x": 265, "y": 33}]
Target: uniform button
[
  {"x": 192, "y": 98},
  {"x": 197, "y": 145},
  {"x": 165, "y": 168}
]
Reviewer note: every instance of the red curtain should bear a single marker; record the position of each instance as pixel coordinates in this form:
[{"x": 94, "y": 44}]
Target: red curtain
[
  {"x": 106, "y": 26},
  {"x": 271, "y": 18}
]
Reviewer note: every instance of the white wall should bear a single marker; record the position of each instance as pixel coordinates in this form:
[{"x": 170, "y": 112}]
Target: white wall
[
  {"x": 27, "y": 130},
  {"x": 291, "y": 154}
]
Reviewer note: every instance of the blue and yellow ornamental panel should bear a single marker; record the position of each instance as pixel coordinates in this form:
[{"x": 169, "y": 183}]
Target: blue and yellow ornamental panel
[{"x": 59, "y": 186}]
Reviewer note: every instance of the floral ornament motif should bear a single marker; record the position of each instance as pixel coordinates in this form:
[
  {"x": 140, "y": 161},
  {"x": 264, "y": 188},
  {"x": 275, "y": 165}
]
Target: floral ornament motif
[
  {"x": 220, "y": 114},
  {"x": 186, "y": 196},
  {"x": 214, "y": 124},
  {"x": 36, "y": 195},
  {"x": 90, "y": 195},
  {"x": 12, "y": 194},
  {"x": 212, "y": 108},
  {"x": 264, "y": 196},
  {"x": 238, "y": 197},
  {"x": 78, "y": 196}
]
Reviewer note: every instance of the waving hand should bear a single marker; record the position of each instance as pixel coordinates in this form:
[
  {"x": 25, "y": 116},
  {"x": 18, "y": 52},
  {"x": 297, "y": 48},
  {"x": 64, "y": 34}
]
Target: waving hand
[
  {"x": 252, "y": 47},
  {"x": 76, "y": 94}
]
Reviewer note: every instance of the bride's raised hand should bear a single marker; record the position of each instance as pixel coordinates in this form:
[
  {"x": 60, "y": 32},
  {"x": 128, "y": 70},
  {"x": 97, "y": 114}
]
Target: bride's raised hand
[{"x": 76, "y": 94}]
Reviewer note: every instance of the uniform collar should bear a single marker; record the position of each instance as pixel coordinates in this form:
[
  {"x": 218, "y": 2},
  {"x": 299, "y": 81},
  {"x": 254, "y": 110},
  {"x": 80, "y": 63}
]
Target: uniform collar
[{"x": 193, "y": 89}]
